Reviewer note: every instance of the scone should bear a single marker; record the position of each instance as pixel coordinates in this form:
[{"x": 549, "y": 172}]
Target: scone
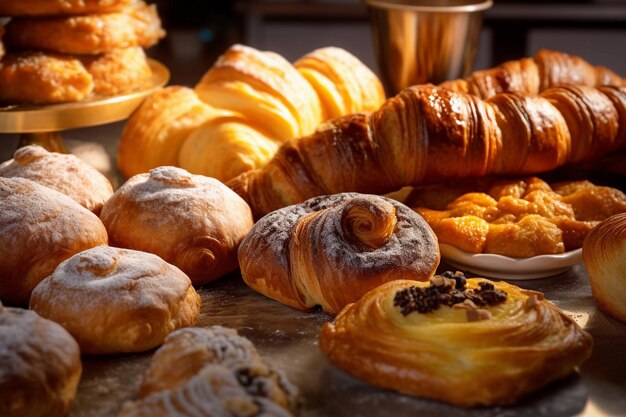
[
  {"x": 213, "y": 372},
  {"x": 39, "y": 229},
  {"x": 331, "y": 250},
  {"x": 117, "y": 300},
  {"x": 191, "y": 221},
  {"x": 60, "y": 7},
  {"x": 64, "y": 173},
  {"x": 39, "y": 365},
  {"x": 468, "y": 342}
]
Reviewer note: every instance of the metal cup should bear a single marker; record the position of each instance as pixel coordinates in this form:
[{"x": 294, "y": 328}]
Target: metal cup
[{"x": 425, "y": 41}]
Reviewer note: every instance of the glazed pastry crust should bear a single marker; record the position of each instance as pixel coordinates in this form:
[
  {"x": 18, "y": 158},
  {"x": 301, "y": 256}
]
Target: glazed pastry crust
[
  {"x": 120, "y": 71},
  {"x": 64, "y": 173},
  {"x": 604, "y": 253},
  {"x": 39, "y": 229},
  {"x": 60, "y": 7},
  {"x": 211, "y": 372},
  {"x": 137, "y": 25},
  {"x": 144, "y": 297},
  {"x": 191, "y": 221},
  {"x": 38, "y": 360},
  {"x": 331, "y": 250},
  {"x": 443, "y": 356}
]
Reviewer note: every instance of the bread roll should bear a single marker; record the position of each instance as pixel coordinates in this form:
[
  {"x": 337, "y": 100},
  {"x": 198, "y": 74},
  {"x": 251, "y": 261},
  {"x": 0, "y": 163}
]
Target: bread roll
[
  {"x": 39, "y": 229},
  {"x": 64, "y": 173},
  {"x": 191, "y": 221},
  {"x": 117, "y": 300},
  {"x": 39, "y": 365},
  {"x": 604, "y": 253},
  {"x": 466, "y": 342}
]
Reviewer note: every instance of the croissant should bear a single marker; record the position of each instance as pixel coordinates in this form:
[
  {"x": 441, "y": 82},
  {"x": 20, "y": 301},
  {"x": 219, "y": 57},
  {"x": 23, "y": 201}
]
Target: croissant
[
  {"x": 258, "y": 100},
  {"x": 468, "y": 342},
  {"x": 433, "y": 134},
  {"x": 331, "y": 250},
  {"x": 532, "y": 75}
]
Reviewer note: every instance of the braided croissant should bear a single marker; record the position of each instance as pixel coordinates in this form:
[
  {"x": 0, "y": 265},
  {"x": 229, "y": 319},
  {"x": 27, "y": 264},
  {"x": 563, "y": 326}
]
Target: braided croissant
[
  {"x": 432, "y": 134},
  {"x": 248, "y": 104},
  {"x": 331, "y": 250}
]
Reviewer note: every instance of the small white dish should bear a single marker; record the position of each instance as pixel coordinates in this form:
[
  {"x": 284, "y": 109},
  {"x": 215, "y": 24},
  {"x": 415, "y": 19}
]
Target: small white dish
[{"x": 507, "y": 268}]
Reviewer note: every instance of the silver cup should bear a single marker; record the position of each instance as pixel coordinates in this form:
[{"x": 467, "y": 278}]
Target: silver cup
[{"x": 425, "y": 41}]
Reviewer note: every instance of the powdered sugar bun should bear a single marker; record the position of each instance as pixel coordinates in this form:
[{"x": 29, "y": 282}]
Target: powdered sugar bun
[
  {"x": 65, "y": 173},
  {"x": 39, "y": 228},
  {"x": 39, "y": 365},
  {"x": 191, "y": 221},
  {"x": 117, "y": 300}
]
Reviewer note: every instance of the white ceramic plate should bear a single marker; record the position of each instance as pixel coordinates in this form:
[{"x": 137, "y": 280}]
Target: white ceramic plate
[{"x": 504, "y": 267}]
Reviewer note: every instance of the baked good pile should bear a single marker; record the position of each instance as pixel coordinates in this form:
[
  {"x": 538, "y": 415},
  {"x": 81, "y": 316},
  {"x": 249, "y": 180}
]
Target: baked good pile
[
  {"x": 96, "y": 49},
  {"x": 103, "y": 272}
]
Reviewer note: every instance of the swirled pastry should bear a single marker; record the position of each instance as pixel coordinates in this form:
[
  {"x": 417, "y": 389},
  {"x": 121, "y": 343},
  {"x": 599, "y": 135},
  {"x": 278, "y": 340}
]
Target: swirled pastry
[
  {"x": 466, "y": 342},
  {"x": 155, "y": 133},
  {"x": 39, "y": 365},
  {"x": 137, "y": 25},
  {"x": 64, "y": 173},
  {"x": 120, "y": 71},
  {"x": 38, "y": 78},
  {"x": 39, "y": 229},
  {"x": 191, "y": 221},
  {"x": 117, "y": 300},
  {"x": 60, "y": 7},
  {"x": 211, "y": 372},
  {"x": 518, "y": 218},
  {"x": 604, "y": 253},
  {"x": 331, "y": 250}
]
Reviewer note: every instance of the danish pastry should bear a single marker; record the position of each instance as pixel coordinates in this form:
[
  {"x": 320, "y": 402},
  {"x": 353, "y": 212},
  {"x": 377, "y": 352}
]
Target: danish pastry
[
  {"x": 136, "y": 25},
  {"x": 117, "y": 300},
  {"x": 64, "y": 173},
  {"x": 213, "y": 372},
  {"x": 120, "y": 71},
  {"x": 519, "y": 218},
  {"x": 38, "y": 78},
  {"x": 60, "y": 7},
  {"x": 39, "y": 365},
  {"x": 331, "y": 250},
  {"x": 191, "y": 221},
  {"x": 39, "y": 229},
  {"x": 604, "y": 253},
  {"x": 468, "y": 342}
]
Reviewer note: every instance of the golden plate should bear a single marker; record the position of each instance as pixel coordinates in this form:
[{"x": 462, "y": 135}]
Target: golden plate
[{"x": 91, "y": 112}]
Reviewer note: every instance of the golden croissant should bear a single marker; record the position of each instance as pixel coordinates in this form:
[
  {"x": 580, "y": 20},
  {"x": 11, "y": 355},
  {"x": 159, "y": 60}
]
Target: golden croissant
[
  {"x": 433, "y": 134},
  {"x": 331, "y": 250},
  {"x": 248, "y": 104},
  {"x": 468, "y": 342}
]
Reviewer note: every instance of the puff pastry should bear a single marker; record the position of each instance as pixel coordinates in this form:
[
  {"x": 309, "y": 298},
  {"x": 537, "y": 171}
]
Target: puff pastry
[
  {"x": 60, "y": 7},
  {"x": 144, "y": 298},
  {"x": 519, "y": 218},
  {"x": 39, "y": 365},
  {"x": 191, "y": 221},
  {"x": 333, "y": 249},
  {"x": 64, "y": 173},
  {"x": 466, "y": 342},
  {"x": 604, "y": 253},
  {"x": 136, "y": 25},
  {"x": 39, "y": 229},
  {"x": 211, "y": 372},
  {"x": 120, "y": 71}
]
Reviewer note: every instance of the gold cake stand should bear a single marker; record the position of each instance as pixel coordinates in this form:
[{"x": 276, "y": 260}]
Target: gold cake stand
[{"x": 42, "y": 125}]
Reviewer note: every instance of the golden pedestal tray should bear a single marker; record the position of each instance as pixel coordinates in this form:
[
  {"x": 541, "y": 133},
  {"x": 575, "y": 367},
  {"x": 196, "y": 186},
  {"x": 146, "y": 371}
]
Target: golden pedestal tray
[{"x": 42, "y": 125}]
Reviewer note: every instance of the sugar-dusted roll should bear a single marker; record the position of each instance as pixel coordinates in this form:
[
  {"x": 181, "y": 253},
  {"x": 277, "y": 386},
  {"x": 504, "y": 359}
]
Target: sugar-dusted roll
[
  {"x": 39, "y": 229},
  {"x": 468, "y": 342},
  {"x": 39, "y": 365},
  {"x": 117, "y": 300},
  {"x": 604, "y": 253},
  {"x": 64, "y": 173},
  {"x": 211, "y": 372},
  {"x": 191, "y": 221},
  {"x": 331, "y": 250}
]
